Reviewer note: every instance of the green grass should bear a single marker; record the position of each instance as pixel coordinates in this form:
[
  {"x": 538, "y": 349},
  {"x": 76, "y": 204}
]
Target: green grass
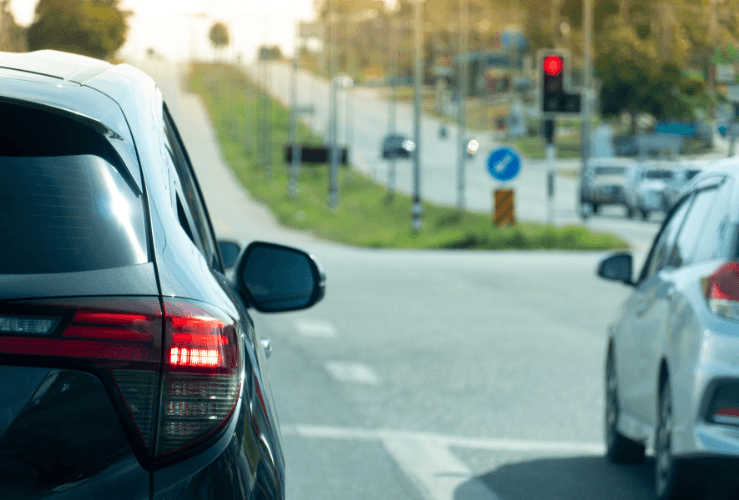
[
  {"x": 365, "y": 216},
  {"x": 534, "y": 147}
]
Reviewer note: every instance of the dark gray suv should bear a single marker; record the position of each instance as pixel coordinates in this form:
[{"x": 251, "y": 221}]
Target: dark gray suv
[{"x": 129, "y": 363}]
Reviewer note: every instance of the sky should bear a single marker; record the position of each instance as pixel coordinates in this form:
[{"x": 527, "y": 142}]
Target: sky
[{"x": 172, "y": 29}]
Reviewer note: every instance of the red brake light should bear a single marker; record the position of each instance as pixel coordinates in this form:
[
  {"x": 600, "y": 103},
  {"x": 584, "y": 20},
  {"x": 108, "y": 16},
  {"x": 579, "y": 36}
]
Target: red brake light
[
  {"x": 553, "y": 65},
  {"x": 722, "y": 290},
  {"x": 183, "y": 356},
  {"x": 173, "y": 358},
  {"x": 201, "y": 380}
]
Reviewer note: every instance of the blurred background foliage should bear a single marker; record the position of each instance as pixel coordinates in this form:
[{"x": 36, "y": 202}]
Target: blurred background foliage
[{"x": 95, "y": 28}]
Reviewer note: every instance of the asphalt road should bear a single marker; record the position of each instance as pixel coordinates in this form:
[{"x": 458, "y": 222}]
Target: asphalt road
[
  {"x": 369, "y": 116},
  {"x": 430, "y": 375}
]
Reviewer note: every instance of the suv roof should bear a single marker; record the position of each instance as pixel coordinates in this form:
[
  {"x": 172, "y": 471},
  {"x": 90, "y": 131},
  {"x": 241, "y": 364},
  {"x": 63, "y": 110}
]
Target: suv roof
[
  {"x": 97, "y": 93},
  {"x": 52, "y": 63}
]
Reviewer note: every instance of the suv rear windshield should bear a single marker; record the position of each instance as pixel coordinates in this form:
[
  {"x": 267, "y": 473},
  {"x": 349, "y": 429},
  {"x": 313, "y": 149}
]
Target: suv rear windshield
[{"x": 64, "y": 206}]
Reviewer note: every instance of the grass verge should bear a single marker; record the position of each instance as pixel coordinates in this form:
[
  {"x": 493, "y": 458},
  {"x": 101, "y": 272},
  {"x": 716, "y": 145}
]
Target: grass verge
[{"x": 365, "y": 216}]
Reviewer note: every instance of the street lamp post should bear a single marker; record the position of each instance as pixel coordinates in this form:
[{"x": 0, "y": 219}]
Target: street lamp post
[
  {"x": 393, "y": 106},
  {"x": 462, "y": 108},
  {"x": 417, "y": 210},
  {"x": 333, "y": 183},
  {"x": 587, "y": 83}
]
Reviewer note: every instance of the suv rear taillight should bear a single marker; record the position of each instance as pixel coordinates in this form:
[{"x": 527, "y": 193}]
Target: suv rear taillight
[
  {"x": 202, "y": 376},
  {"x": 722, "y": 290},
  {"x": 175, "y": 360}
]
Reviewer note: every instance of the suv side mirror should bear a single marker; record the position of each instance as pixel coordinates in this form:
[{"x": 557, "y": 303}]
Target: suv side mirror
[
  {"x": 276, "y": 278},
  {"x": 616, "y": 267}
]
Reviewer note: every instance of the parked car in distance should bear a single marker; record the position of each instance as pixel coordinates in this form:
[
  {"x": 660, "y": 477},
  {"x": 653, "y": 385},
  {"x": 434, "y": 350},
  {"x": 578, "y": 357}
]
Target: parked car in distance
[
  {"x": 397, "y": 146},
  {"x": 130, "y": 365},
  {"x": 602, "y": 183},
  {"x": 645, "y": 185},
  {"x": 684, "y": 173},
  {"x": 671, "y": 376}
]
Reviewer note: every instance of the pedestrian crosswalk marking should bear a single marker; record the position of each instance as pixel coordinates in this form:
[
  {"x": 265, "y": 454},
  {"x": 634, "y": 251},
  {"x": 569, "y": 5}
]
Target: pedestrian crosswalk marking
[
  {"x": 353, "y": 373},
  {"x": 315, "y": 328}
]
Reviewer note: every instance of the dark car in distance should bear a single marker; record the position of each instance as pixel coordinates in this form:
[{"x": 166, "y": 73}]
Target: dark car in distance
[
  {"x": 397, "y": 146},
  {"x": 129, "y": 363}
]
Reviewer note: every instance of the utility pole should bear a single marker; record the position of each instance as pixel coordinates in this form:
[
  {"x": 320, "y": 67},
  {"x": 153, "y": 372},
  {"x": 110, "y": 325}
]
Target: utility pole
[
  {"x": 712, "y": 42},
  {"x": 417, "y": 210},
  {"x": 555, "y": 22},
  {"x": 393, "y": 106},
  {"x": 587, "y": 83},
  {"x": 295, "y": 162},
  {"x": 462, "y": 107},
  {"x": 266, "y": 124}
]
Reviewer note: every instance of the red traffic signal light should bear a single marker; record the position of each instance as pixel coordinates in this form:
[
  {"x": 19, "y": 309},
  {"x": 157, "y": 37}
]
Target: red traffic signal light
[{"x": 553, "y": 65}]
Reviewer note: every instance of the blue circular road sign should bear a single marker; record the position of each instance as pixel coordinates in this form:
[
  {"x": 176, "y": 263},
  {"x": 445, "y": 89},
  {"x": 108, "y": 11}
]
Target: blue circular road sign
[{"x": 504, "y": 163}]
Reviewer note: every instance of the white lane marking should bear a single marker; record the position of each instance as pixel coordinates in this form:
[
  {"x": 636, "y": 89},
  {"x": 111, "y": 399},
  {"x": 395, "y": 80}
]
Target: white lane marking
[
  {"x": 493, "y": 444},
  {"x": 436, "y": 471},
  {"x": 355, "y": 373},
  {"x": 426, "y": 460},
  {"x": 315, "y": 328}
]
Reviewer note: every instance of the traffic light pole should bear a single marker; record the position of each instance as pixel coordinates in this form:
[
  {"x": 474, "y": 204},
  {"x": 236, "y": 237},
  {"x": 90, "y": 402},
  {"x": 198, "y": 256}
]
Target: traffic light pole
[{"x": 550, "y": 132}]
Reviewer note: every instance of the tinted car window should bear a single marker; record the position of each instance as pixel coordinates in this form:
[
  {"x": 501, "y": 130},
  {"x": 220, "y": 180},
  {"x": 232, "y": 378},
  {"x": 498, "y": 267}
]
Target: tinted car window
[
  {"x": 658, "y": 174},
  {"x": 64, "y": 205},
  {"x": 686, "y": 241},
  {"x": 203, "y": 237},
  {"x": 610, "y": 170},
  {"x": 691, "y": 173},
  {"x": 713, "y": 240}
]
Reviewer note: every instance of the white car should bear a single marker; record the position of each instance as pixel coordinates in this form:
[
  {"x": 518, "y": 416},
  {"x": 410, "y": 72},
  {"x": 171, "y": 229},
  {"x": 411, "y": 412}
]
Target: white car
[
  {"x": 645, "y": 186},
  {"x": 672, "y": 359}
]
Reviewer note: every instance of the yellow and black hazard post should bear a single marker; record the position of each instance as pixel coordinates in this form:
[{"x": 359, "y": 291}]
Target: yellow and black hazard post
[{"x": 504, "y": 211}]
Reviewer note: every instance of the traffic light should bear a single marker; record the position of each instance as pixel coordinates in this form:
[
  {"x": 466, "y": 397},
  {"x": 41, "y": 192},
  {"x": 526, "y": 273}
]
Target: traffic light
[
  {"x": 554, "y": 98},
  {"x": 552, "y": 83}
]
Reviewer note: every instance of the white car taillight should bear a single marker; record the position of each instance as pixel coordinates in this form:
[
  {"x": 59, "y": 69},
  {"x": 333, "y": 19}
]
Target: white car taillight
[{"x": 722, "y": 291}]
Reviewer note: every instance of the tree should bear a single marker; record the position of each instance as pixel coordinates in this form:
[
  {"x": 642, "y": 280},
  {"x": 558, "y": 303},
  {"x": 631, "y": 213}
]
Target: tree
[
  {"x": 269, "y": 53},
  {"x": 12, "y": 35},
  {"x": 219, "y": 35},
  {"x": 96, "y": 28}
]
